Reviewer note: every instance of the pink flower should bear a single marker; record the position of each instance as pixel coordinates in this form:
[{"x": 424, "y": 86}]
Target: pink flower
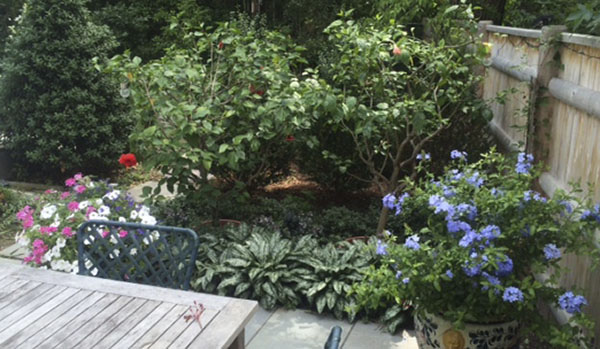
[
  {"x": 25, "y": 213},
  {"x": 78, "y": 176},
  {"x": 47, "y": 230},
  {"x": 39, "y": 249},
  {"x": 73, "y": 206},
  {"x": 28, "y": 223},
  {"x": 70, "y": 182},
  {"x": 64, "y": 195},
  {"x": 90, "y": 209},
  {"x": 105, "y": 233},
  {"x": 123, "y": 234},
  {"x": 80, "y": 189},
  {"x": 68, "y": 232},
  {"x": 50, "y": 191}
]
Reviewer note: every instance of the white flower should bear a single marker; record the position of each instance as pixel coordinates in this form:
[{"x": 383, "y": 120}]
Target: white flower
[
  {"x": 75, "y": 267},
  {"x": 113, "y": 195},
  {"x": 104, "y": 210},
  {"x": 47, "y": 257},
  {"x": 44, "y": 267},
  {"x": 55, "y": 251},
  {"x": 89, "y": 240},
  {"x": 133, "y": 251},
  {"x": 143, "y": 214},
  {"x": 155, "y": 235},
  {"x": 84, "y": 204},
  {"x": 115, "y": 252},
  {"x": 113, "y": 240},
  {"x": 48, "y": 211},
  {"x": 122, "y": 219},
  {"x": 99, "y": 202},
  {"x": 70, "y": 216},
  {"x": 133, "y": 214},
  {"x": 56, "y": 222},
  {"x": 147, "y": 240},
  {"x": 94, "y": 271},
  {"x": 61, "y": 242},
  {"x": 94, "y": 215},
  {"x": 149, "y": 220},
  {"x": 91, "y": 185}
]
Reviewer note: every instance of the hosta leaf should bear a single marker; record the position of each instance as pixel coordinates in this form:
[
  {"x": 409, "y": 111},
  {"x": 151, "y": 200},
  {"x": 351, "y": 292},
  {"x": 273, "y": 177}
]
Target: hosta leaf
[
  {"x": 338, "y": 287},
  {"x": 241, "y": 288},
  {"x": 237, "y": 262},
  {"x": 254, "y": 272},
  {"x": 331, "y": 298},
  {"x": 269, "y": 289},
  {"x": 234, "y": 280},
  {"x": 321, "y": 301},
  {"x": 273, "y": 276}
]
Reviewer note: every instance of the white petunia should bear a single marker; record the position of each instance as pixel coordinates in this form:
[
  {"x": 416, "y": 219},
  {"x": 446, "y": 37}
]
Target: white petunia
[
  {"x": 94, "y": 215},
  {"x": 104, "y": 210},
  {"x": 61, "y": 242},
  {"x": 113, "y": 195},
  {"x": 122, "y": 219},
  {"x": 48, "y": 212},
  {"x": 133, "y": 251},
  {"x": 99, "y": 202},
  {"x": 149, "y": 220},
  {"x": 133, "y": 214},
  {"x": 55, "y": 252},
  {"x": 113, "y": 240},
  {"x": 84, "y": 204}
]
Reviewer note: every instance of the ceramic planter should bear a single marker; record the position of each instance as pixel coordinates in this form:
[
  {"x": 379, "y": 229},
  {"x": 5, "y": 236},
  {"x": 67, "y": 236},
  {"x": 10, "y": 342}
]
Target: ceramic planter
[{"x": 433, "y": 332}]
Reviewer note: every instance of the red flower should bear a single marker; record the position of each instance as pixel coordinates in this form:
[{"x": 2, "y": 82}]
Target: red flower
[
  {"x": 128, "y": 160},
  {"x": 221, "y": 45},
  {"x": 396, "y": 51},
  {"x": 290, "y": 138}
]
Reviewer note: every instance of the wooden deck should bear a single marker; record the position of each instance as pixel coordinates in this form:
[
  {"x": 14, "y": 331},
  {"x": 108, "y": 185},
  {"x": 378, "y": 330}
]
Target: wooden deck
[{"x": 47, "y": 309}]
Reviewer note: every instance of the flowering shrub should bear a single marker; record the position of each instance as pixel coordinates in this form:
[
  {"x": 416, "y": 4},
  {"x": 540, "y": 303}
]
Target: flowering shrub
[
  {"x": 50, "y": 224},
  {"x": 482, "y": 236}
]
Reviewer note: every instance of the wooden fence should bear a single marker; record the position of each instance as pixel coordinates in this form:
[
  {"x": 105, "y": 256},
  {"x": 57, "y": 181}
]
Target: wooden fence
[{"x": 551, "y": 82}]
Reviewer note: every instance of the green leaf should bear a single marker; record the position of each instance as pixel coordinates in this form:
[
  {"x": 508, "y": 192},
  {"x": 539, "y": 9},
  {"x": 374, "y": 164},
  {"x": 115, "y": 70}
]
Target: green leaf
[
  {"x": 321, "y": 302},
  {"x": 241, "y": 288}
]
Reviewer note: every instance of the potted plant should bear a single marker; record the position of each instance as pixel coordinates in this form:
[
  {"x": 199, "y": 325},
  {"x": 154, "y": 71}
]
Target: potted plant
[{"x": 469, "y": 265}]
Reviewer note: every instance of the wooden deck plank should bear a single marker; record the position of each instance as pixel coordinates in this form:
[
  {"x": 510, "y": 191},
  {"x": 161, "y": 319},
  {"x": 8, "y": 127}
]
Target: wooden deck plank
[
  {"x": 226, "y": 326},
  {"x": 15, "y": 290},
  {"x": 143, "y": 326},
  {"x": 107, "y": 327},
  {"x": 58, "y": 335},
  {"x": 94, "y": 324},
  {"x": 27, "y": 317},
  {"x": 119, "y": 332},
  {"x": 27, "y": 305},
  {"x": 169, "y": 323},
  {"x": 7, "y": 282},
  {"x": 48, "y": 313},
  {"x": 55, "y": 321},
  {"x": 122, "y": 288},
  {"x": 8, "y": 268},
  {"x": 21, "y": 297},
  {"x": 194, "y": 330}
]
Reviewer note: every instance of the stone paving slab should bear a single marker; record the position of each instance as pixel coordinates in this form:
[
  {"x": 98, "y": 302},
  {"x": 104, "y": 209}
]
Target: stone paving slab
[
  {"x": 296, "y": 329},
  {"x": 372, "y": 336},
  {"x": 256, "y": 323}
]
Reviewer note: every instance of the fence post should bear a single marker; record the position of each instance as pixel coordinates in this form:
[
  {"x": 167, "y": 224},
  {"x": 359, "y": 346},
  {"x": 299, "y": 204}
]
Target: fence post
[
  {"x": 484, "y": 36},
  {"x": 540, "y": 114}
]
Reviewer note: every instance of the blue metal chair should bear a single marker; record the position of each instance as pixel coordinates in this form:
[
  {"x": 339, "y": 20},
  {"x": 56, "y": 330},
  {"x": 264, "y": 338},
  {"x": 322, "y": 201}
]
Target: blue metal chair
[
  {"x": 148, "y": 254},
  {"x": 334, "y": 339}
]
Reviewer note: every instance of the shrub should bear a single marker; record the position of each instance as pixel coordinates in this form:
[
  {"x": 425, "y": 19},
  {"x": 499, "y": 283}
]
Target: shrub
[{"x": 58, "y": 113}]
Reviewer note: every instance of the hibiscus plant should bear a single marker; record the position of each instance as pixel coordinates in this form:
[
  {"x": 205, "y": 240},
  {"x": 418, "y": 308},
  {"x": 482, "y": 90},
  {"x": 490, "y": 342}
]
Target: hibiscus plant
[{"x": 481, "y": 246}]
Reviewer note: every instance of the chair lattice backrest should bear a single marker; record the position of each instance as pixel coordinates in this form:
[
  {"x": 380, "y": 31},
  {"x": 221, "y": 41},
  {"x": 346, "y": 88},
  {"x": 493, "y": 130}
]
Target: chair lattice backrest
[{"x": 148, "y": 254}]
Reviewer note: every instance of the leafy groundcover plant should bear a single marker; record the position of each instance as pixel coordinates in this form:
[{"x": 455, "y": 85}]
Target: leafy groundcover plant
[
  {"x": 482, "y": 237},
  {"x": 50, "y": 224}
]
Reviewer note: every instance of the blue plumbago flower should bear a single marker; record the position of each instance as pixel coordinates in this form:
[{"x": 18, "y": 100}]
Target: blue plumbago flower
[
  {"x": 455, "y": 154},
  {"x": 456, "y": 175},
  {"x": 496, "y": 192},
  {"x": 405, "y": 280},
  {"x": 469, "y": 238},
  {"x": 412, "y": 242},
  {"x": 448, "y": 192},
  {"x": 490, "y": 232},
  {"x": 400, "y": 202},
  {"x": 551, "y": 252},
  {"x": 527, "y": 196},
  {"x": 381, "y": 248},
  {"x": 449, "y": 274},
  {"x": 470, "y": 210},
  {"x": 456, "y": 226},
  {"x": 472, "y": 270},
  {"x": 494, "y": 281},
  {"x": 475, "y": 180},
  {"x": 398, "y": 274},
  {"x": 440, "y": 204},
  {"x": 527, "y": 231},
  {"x": 567, "y": 206},
  {"x": 524, "y": 163},
  {"x": 505, "y": 267},
  {"x": 389, "y": 201},
  {"x": 427, "y": 156},
  {"x": 512, "y": 294},
  {"x": 571, "y": 303}
]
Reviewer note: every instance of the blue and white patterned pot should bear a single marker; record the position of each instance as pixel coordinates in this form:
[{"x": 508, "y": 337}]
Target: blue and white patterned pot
[{"x": 433, "y": 332}]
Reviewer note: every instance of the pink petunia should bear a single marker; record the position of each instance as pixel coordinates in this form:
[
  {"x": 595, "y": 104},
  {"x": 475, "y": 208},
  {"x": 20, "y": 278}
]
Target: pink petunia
[
  {"x": 70, "y": 182},
  {"x": 65, "y": 195},
  {"x": 73, "y": 206},
  {"x": 90, "y": 209},
  {"x": 80, "y": 189},
  {"x": 78, "y": 176},
  {"x": 68, "y": 232},
  {"x": 28, "y": 223},
  {"x": 48, "y": 230},
  {"x": 25, "y": 213},
  {"x": 123, "y": 234},
  {"x": 105, "y": 233},
  {"x": 50, "y": 191}
]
